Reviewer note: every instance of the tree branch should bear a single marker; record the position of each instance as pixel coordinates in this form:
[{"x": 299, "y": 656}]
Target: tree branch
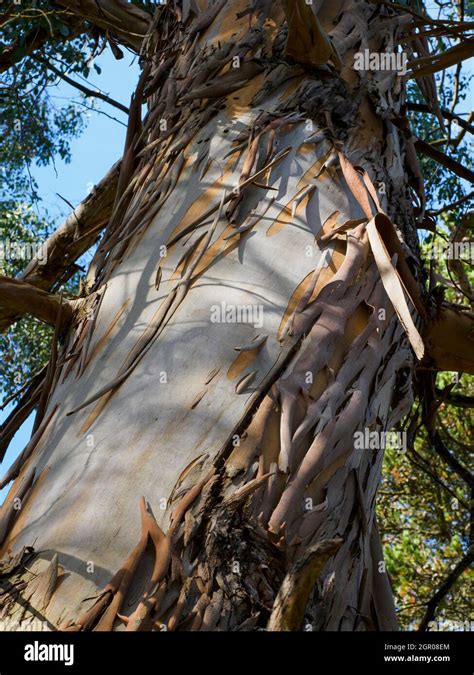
[
  {"x": 451, "y": 206},
  {"x": 451, "y": 460},
  {"x": 74, "y": 237},
  {"x": 433, "y": 476},
  {"x": 127, "y": 22},
  {"x": 445, "y": 588},
  {"x": 90, "y": 93},
  {"x": 453, "y": 142},
  {"x": 444, "y": 160},
  {"x": 451, "y": 117},
  {"x": 30, "y": 42},
  {"x": 458, "y": 400},
  {"x": 290, "y": 603},
  {"x": 19, "y": 297}
]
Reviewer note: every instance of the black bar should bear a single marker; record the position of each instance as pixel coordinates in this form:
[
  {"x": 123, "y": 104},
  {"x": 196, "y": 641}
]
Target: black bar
[{"x": 308, "y": 652}]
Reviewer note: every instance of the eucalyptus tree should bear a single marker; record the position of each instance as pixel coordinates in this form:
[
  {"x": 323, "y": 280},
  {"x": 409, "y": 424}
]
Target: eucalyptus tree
[{"x": 255, "y": 322}]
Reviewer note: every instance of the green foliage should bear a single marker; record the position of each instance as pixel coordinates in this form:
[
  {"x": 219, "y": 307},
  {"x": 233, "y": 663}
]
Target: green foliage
[
  {"x": 36, "y": 127},
  {"x": 24, "y": 348},
  {"x": 442, "y": 186},
  {"x": 424, "y": 513}
]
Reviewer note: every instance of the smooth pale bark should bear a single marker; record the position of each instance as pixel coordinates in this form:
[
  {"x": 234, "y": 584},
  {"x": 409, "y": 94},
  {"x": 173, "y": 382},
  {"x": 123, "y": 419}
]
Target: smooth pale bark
[{"x": 244, "y": 455}]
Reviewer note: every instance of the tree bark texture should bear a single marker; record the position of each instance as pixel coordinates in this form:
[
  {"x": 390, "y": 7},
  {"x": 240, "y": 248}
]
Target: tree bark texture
[{"x": 192, "y": 473}]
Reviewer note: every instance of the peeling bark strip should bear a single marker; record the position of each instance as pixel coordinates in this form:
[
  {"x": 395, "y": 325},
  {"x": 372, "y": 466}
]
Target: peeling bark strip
[
  {"x": 249, "y": 182},
  {"x": 388, "y": 268},
  {"x": 21, "y": 411},
  {"x": 394, "y": 288},
  {"x": 20, "y": 461}
]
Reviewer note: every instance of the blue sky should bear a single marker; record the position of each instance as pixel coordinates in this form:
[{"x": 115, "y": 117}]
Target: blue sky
[
  {"x": 93, "y": 153},
  {"x": 99, "y": 146}
]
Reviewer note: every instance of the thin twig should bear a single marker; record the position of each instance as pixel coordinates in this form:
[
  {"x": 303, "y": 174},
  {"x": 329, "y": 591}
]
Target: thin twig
[{"x": 90, "y": 93}]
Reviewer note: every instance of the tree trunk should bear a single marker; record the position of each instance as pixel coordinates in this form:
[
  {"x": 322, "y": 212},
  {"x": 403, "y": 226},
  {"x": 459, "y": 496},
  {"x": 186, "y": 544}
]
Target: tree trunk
[{"x": 193, "y": 465}]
